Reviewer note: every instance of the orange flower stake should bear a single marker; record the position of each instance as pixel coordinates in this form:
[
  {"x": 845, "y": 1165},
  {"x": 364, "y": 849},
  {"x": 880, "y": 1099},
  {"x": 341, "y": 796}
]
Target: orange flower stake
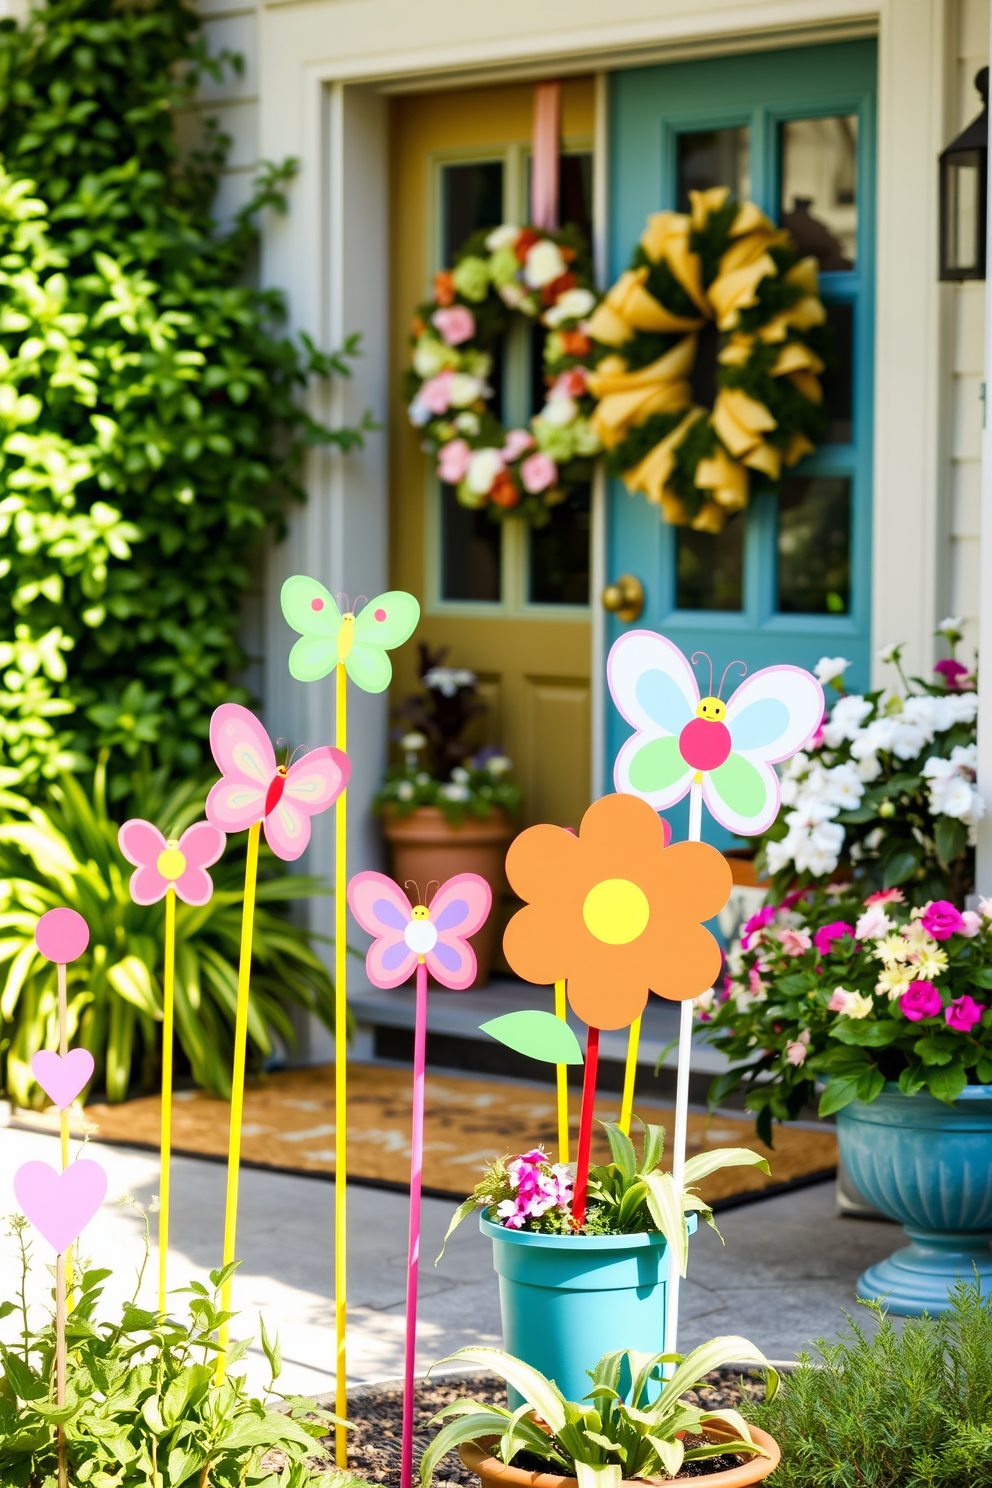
[{"x": 615, "y": 914}]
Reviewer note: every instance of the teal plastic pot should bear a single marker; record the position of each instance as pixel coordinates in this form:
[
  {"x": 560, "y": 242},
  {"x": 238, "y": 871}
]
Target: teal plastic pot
[
  {"x": 566, "y": 1300},
  {"x": 928, "y": 1166}
]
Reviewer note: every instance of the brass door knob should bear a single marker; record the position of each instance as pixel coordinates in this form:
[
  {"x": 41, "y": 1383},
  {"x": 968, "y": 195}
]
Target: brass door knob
[{"x": 624, "y": 598}]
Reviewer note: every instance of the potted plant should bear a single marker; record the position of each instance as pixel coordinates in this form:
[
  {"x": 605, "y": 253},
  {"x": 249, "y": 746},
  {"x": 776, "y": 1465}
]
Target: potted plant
[
  {"x": 889, "y": 1008},
  {"x": 568, "y": 1295},
  {"x": 599, "y": 1441},
  {"x": 445, "y": 809}
]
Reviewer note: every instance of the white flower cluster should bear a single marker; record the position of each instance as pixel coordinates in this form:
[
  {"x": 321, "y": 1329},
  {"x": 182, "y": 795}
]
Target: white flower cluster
[
  {"x": 818, "y": 790},
  {"x": 447, "y": 680}
]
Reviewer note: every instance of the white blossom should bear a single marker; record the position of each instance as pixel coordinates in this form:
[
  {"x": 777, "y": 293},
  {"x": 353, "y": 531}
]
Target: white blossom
[
  {"x": 846, "y": 718},
  {"x": 543, "y": 264},
  {"x": 503, "y": 236},
  {"x": 830, "y": 668}
]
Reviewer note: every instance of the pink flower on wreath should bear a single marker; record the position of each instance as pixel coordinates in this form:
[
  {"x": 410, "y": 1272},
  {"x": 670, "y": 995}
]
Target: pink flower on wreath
[
  {"x": 453, "y": 461},
  {"x": 456, "y": 324},
  {"x": 538, "y": 473},
  {"x": 435, "y": 393},
  {"x": 795, "y": 942},
  {"x": 941, "y": 919},
  {"x": 570, "y": 384},
  {"x": 755, "y": 923},
  {"x": 827, "y": 934},
  {"x": 796, "y": 1051},
  {"x": 886, "y": 896},
  {"x": 963, "y": 1013},
  {"x": 518, "y": 441},
  {"x": 920, "y": 1000}
]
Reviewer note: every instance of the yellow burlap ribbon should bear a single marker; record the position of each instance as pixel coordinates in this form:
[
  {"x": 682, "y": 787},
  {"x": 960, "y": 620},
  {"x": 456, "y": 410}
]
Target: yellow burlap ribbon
[{"x": 628, "y": 398}]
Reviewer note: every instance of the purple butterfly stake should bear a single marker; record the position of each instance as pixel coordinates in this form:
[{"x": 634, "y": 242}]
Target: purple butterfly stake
[{"x": 418, "y": 938}]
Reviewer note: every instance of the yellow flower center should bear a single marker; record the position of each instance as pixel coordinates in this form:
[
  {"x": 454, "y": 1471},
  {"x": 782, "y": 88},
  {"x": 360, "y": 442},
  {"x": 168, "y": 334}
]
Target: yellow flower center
[
  {"x": 171, "y": 863},
  {"x": 616, "y": 911}
]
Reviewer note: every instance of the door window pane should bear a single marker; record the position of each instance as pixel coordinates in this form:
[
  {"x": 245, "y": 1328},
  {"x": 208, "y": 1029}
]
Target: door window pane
[
  {"x": 471, "y": 544},
  {"x": 574, "y": 191},
  {"x": 471, "y": 197},
  {"x": 819, "y": 188},
  {"x": 814, "y": 545},
  {"x": 559, "y": 553},
  {"x": 838, "y": 379},
  {"x": 710, "y": 567},
  {"x": 714, "y": 157}
]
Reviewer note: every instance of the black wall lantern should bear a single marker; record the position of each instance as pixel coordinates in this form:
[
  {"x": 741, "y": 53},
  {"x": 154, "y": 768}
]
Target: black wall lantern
[{"x": 964, "y": 195}]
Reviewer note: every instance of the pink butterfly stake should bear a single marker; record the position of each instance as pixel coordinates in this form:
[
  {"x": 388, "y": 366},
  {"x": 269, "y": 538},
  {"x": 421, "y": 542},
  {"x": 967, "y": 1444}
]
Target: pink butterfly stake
[
  {"x": 255, "y": 792},
  {"x": 169, "y": 868},
  {"x": 416, "y": 938}
]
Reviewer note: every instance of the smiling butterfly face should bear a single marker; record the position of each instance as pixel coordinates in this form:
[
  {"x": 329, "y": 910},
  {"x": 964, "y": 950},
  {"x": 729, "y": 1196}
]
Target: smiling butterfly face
[
  {"x": 359, "y": 641},
  {"x": 406, "y": 933}
]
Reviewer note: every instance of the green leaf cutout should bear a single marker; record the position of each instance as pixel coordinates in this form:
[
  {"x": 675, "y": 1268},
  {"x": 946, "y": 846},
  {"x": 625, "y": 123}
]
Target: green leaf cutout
[{"x": 539, "y": 1035}]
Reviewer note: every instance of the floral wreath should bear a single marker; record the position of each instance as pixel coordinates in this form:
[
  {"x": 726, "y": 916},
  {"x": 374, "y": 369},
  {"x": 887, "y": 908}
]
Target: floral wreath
[
  {"x": 545, "y": 276},
  {"x": 724, "y": 262}
]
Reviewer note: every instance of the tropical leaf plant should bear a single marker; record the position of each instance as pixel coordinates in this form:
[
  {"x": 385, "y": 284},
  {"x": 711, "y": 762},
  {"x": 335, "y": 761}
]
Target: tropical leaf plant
[
  {"x": 65, "y": 852},
  {"x": 602, "y": 1439}
]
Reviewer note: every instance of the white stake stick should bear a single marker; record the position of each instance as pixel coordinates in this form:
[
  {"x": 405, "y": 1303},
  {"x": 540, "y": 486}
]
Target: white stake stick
[{"x": 682, "y": 1100}]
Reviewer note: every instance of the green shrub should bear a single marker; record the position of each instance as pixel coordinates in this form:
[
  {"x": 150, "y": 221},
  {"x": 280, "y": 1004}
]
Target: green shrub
[
  {"x": 150, "y": 424},
  {"x": 906, "y": 1409},
  {"x": 65, "y": 851}
]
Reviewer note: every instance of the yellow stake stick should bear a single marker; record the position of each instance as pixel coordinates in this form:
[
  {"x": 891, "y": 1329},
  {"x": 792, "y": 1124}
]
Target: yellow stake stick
[
  {"x": 340, "y": 1082},
  {"x": 238, "y": 1086},
  {"x": 561, "y": 1070},
  {"x": 168, "y": 1001},
  {"x": 629, "y": 1076}
]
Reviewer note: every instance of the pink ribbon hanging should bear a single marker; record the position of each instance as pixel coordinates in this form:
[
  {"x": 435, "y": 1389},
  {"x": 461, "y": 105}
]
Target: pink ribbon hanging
[{"x": 544, "y": 162}]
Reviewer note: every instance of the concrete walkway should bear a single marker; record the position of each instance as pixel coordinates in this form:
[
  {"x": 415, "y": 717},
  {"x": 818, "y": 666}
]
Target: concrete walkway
[{"x": 788, "y": 1268}]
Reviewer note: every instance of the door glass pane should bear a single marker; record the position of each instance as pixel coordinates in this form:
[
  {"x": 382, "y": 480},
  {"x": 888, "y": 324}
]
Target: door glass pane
[
  {"x": 471, "y": 545},
  {"x": 714, "y": 157},
  {"x": 471, "y": 197},
  {"x": 710, "y": 567},
  {"x": 838, "y": 379},
  {"x": 819, "y": 188},
  {"x": 559, "y": 553},
  {"x": 814, "y": 545}
]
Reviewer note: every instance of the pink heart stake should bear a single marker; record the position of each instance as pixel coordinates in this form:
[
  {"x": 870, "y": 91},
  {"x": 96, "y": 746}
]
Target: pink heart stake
[
  {"x": 60, "y": 1205},
  {"x": 62, "y": 1076}
]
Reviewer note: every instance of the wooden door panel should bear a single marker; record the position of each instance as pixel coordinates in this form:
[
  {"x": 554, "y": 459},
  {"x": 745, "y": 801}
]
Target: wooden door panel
[{"x": 556, "y": 722}]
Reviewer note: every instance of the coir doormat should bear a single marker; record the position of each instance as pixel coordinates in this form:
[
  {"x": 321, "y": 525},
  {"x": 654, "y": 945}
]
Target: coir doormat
[{"x": 289, "y": 1124}]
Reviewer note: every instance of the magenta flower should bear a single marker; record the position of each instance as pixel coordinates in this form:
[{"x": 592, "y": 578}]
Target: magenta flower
[
  {"x": 920, "y": 1000},
  {"x": 456, "y": 324},
  {"x": 453, "y": 461},
  {"x": 953, "y": 673},
  {"x": 941, "y": 919},
  {"x": 538, "y": 473},
  {"x": 791, "y": 900},
  {"x": 886, "y": 896},
  {"x": 963, "y": 1014},
  {"x": 540, "y": 1186},
  {"x": 827, "y": 934},
  {"x": 755, "y": 923}
]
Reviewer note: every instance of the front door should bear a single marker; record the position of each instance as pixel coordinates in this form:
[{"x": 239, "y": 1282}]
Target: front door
[
  {"x": 789, "y": 579},
  {"x": 507, "y": 602}
]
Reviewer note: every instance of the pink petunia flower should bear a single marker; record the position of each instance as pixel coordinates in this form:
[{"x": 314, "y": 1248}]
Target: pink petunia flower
[
  {"x": 755, "y": 923},
  {"x": 453, "y": 461},
  {"x": 517, "y": 442},
  {"x": 181, "y": 862},
  {"x": 941, "y": 919},
  {"x": 873, "y": 924},
  {"x": 827, "y": 934},
  {"x": 795, "y": 942},
  {"x": 953, "y": 673},
  {"x": 538, "y": 473},
  {"x": 791, "y": 900},
  {"x": 456, "y": 324},
  {"x": 886, "y": 896},
  {"x": 963, "y": 1013},
  {"x": 920, "y": 1000},
  {"x": 840, "y": 1001},
  {"x": 796, "y": 1051},
  {"x": 971, "y": 924}
]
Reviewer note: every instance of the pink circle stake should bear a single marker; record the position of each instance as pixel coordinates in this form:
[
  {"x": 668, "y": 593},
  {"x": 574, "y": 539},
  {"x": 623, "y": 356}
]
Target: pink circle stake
[{"x": 61, "y": 936}]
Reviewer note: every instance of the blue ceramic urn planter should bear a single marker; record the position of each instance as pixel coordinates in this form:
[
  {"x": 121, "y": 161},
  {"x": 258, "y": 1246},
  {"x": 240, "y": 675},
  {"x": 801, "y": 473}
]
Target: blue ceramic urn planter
[
  {"x": 566, "y": 1300},
  {"x": 929, "y": 1166}
]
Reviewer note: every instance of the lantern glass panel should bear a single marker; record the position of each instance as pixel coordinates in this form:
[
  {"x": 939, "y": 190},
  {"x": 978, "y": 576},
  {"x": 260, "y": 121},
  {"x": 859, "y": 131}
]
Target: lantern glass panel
[{"x": 962, "y": 184}]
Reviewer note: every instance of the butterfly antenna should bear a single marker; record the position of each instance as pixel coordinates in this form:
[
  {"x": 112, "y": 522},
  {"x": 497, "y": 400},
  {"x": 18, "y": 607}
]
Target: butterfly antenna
[
  {"x": 344, "y": 607},
  {"x": 304, "y": 747},
  {"x": 285, "y": 745},
  {"x": 411, "y": 884},
  {"x": 354, "y": 608},
  {"x": 428, "y": 896},
  {"x": 743, "y": 667},
  {"x": 693, "y": 660}
]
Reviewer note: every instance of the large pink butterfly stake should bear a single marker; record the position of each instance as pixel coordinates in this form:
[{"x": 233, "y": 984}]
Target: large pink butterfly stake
[
  {"x": 418, "y": 938},
  {"x": 257, "y": 792}
]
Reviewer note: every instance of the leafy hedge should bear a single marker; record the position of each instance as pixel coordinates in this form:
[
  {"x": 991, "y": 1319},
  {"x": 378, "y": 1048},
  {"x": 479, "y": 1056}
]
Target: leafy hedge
[{"x": 150, "y": 428}]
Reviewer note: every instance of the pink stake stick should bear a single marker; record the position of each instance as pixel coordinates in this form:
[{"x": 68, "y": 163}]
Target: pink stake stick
[{"x": 413, "y": 1252}]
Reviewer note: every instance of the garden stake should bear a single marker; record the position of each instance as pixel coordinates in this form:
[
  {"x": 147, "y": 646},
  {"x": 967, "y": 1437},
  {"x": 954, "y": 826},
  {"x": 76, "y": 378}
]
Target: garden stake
[
  {"x": 413, "y": 1248},
  {"x": 340, "y": 1080},
  {"x": 585, "y": 1128},
  {"x": 238, "y": 1087},
  {"x": 630, "y": 1076},
  {"x": 165, "y": 1155},
  {"x": 561, "y": 1075},
  {"x": 63, "y": 1262}
]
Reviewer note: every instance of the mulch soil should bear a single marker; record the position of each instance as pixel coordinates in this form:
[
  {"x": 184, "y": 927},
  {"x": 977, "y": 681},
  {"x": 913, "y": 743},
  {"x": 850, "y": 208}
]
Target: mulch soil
[{"x": 374, "y": 1443}]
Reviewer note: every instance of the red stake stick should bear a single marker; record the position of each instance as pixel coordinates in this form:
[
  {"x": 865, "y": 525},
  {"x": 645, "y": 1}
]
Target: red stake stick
[{"x": 585, "y": 1128}]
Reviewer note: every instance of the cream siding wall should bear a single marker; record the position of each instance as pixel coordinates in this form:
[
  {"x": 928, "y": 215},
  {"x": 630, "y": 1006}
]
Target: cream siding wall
[{"x": 234, "y": 100}]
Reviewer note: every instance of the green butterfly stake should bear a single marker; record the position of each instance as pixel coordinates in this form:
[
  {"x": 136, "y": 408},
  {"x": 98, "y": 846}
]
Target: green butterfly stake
[{"x": 353, "y": 645}]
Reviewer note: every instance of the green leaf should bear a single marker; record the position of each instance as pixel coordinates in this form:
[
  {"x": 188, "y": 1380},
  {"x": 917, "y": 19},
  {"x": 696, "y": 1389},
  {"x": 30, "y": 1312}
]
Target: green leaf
[
  {"x": 982, "y": 977},
  {"x": 702, "y": 1164},
  {"x": 839, "y": 1092},
  {"x": 933, "y": 1049},
  {"x": 900, "y": 866},
  {"x": 950, "y": 838},
  {"x": 537, "y": 1034},
  {"x": 867, "y": 1033},
  {"x": 947, "y": 1082},
  {"x": 544, "y": 1397}
]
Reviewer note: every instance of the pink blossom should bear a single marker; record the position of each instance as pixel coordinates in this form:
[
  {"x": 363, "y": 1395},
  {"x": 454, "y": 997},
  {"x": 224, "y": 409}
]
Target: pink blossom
[
  {"x": 963, "y": 1014},
  {"x": 517, "y": 441},
  {"x": 817, "y": 738},
  {"x": 755, "y": 923},
  {"x": 953, "y": 673},
  {"x": 794, "y": 942},
  {"x": 971, "y": 924},
  {"x": 941, "y": 919},
  {"x": 791, "y": 900},
  {"x": 538, "y": 473},
  {"x": 435, "y": 393},
  {"x": 827, "y": 934},
  {"x": 540, "y": 1186},
  {"x": 456, "y": 324},
  {"x": 839, "y": 1001},
  {"x": 873, "y": 924},
  {"x": 796, "y": 1051},
  {"x": 886, "y": 896},
  {"x": 570, "y": 384},
  {"x": 453, "y": 461},
  {"x": 754, "y": 981},
  {"x": 920, "y": 1000}
]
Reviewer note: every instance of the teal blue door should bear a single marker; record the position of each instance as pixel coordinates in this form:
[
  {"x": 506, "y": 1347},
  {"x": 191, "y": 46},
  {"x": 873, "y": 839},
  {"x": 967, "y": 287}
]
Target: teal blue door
[{"x": 789, "y": 580}]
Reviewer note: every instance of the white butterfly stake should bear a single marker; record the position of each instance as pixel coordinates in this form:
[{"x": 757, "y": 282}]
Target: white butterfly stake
[{"x": 714, "y": 751}]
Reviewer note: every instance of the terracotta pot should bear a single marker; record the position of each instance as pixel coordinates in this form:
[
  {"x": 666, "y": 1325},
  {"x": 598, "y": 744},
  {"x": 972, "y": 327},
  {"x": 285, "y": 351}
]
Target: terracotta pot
[
  {"x": 495, "y": 1474},
  {"x": 425, "y": 846}
]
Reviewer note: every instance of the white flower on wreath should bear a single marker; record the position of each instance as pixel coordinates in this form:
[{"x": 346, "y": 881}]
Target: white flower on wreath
[
  {"x": 463, "y": 390},
  {"x": 503, "y": 236},
  {"x": 431, "y": 356},
  {"x": 543, "y": 264},
  {"x": 572, "y": 305},
  {"x": 558, "y": 412}
]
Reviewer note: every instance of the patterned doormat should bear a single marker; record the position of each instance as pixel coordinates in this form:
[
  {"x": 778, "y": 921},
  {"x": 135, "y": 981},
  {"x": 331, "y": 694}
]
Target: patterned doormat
[{"x": 289, "y": 1125}]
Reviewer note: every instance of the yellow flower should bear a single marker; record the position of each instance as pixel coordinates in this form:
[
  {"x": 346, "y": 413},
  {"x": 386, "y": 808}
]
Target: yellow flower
[
  {"x": 916, "y": 937},
  {"x": 929, "y": 964},
  {"x": 859, "y": 1006},
  {"x": 893, "y": 950},
  {"x": 894, "y": 980}
]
